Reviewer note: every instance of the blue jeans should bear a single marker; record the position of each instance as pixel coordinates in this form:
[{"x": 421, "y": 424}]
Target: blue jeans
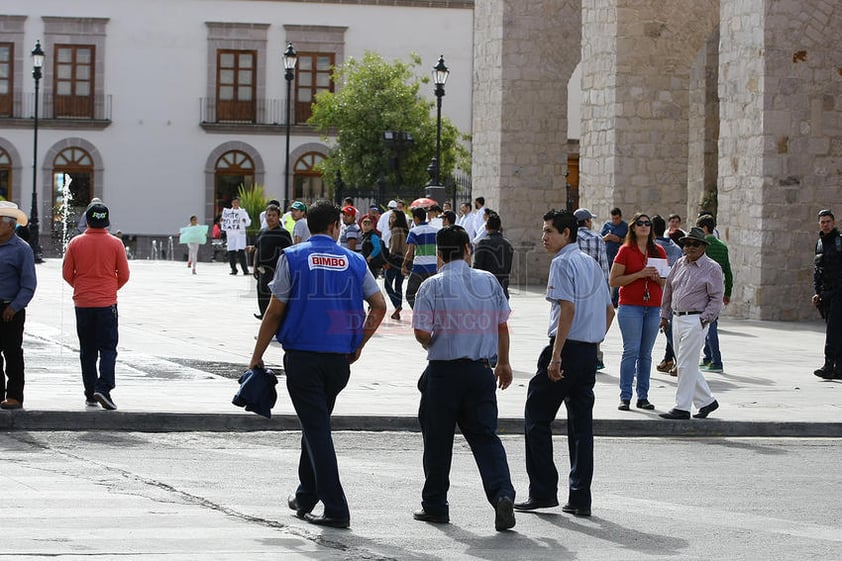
[
  {"x": 639, "y": 327},
  {"x": 711, "y": 352},
  {"x": 393, "y": 281},
  {"x": 97, "y": 331}
]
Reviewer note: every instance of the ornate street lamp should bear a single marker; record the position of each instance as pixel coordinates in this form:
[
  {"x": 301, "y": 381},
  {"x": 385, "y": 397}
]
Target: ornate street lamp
[
  {"x": 34, "y": 241},
  {"x": 290, "y": 59},
  {"x": 440, "y": 74}
]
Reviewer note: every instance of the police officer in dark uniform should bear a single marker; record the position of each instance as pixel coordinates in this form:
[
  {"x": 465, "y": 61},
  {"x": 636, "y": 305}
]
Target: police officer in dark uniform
[
  {"x": 460, "y": 318},
  {"x": 827, "y": 282},
  {"x": 316, "y": 312}
]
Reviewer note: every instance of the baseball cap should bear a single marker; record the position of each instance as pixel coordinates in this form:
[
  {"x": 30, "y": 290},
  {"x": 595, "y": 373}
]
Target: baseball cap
[
  {"x": 392, "y": 204},
  {"x": 349, "y": 210},
  {"x": 298, "y": 205},
  {"x": 96, "y": 216},
  {"x": 583, "y": 214}
]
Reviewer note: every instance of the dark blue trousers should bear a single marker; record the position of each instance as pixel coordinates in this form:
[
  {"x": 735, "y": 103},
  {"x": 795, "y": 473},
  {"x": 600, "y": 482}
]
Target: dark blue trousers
[
  {"x": 313, "y": 381},
  {"x": 543, "y": 399},
  {"x": 460, "y": 392},
  {"x": 97, "y": 331},
  {"x": 11, "y": 345}
]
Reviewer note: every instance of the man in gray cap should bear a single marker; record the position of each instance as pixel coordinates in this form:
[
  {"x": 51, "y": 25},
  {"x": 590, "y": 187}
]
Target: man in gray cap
[{"x": 693, "y": 296}]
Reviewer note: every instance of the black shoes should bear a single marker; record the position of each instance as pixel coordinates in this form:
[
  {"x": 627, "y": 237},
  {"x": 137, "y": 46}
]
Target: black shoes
[
  {"x": 327, "y": 521},
  {"x": 105, "y": 400},
  {"x": 624, "y": 405},
  {"x": 504, "y": 515},
  {"x": 827, "y": 372},
  {"x": 533, "y": 504},
  {"x": 676, "y": 414},
  {"x": 424, "y": 516},
  {"x": 576, "y": 510},
  {"x": 644, "y": 404},
  {"x": 707, "y": 410},
  {"x": 258, "y": 316},
  {"x": 292, "y": 502}
]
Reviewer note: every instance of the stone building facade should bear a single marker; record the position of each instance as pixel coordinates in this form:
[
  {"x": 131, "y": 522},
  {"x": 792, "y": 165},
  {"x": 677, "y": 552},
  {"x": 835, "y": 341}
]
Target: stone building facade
[{"x": 734, "y": 106}]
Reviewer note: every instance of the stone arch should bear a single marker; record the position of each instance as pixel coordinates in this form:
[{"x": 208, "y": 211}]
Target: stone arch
[
  {"x": 210, "y": 170},
  {"x": 16, "y": 167},
  {"x": 46, "y": 196}
]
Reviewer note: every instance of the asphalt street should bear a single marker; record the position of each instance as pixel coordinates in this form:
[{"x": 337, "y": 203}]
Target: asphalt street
[{"x": 221, "y": 496}]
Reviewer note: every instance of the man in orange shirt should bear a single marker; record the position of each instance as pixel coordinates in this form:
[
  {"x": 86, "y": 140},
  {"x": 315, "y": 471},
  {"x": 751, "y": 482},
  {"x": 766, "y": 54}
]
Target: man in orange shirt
[{"x": 95, "y": 266}]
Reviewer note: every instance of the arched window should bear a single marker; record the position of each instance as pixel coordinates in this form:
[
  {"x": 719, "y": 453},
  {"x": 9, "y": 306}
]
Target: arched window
[
  {"x": 307, "y": 181},
  {"x": 5, "y": 176},
  {"x": 77, "y": 165},
  {"x": 232, "y": 169}
]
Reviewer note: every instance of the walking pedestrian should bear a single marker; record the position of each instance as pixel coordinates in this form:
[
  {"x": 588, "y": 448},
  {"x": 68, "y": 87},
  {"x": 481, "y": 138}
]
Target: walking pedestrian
[
  {"x": 316, "y": 313},
  {"x": 95, "y": 265},
  {"x": 460, "y": 319},
  {"x": 580, "y": 315},
  {"x": 17, "y": 286},
  {"x": 268, "y": 246},
  {"x": 693, "y": 298},
  {"x": 393, "y": 278},
  {"x": 419, "y": 262}
]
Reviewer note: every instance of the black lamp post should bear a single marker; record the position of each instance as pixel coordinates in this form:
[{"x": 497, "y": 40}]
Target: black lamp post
[
  {"x": 440, "y": 74},
  {"x": 34, "y": 242},
  {"x": 290, "y": 59}
]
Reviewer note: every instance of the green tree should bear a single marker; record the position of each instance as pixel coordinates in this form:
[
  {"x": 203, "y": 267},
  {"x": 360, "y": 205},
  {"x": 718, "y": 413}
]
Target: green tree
[{"x": 378, "y": 96}]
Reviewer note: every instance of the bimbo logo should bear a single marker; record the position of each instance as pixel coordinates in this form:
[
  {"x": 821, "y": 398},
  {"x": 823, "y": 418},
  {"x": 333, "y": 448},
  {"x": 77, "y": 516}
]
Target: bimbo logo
[{"x": 327, "y": 261}]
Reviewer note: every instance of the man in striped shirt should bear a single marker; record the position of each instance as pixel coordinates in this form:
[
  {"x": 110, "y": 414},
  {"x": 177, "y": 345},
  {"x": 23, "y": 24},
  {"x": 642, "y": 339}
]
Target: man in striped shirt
[{"x": 420, "y": 254}]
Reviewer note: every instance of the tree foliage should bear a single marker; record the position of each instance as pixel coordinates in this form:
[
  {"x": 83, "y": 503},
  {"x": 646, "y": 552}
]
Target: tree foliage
[{"x": 378, "y": 96}]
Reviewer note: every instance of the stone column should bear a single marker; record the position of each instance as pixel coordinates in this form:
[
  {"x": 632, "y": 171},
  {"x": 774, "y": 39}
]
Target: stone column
[
  {"x": 780, "y": 147},
  {"x": 703, "y": 158},
  {"x": 524, "y": 54},
  {"x": 636, "y": 59}
]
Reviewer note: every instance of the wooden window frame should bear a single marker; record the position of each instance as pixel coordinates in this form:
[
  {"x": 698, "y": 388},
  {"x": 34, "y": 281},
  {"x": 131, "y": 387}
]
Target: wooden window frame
[
  {"x": 235, "y": 110},
  {"x": 7, "y": 99},
  {"x": 74, "y": 105},
  {"x": 303, "y": 109}
]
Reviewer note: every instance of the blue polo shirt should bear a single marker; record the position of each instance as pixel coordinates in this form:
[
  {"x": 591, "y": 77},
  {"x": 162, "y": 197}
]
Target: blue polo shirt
[
  {"x": 576, "y": 277},
  {"x": 17, "y": 273},
  {"x": 462, "y": 308}
]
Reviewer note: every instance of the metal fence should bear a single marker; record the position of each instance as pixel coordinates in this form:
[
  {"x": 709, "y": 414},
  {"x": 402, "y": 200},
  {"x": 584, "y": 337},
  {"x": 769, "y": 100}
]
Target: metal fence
[{"x": 51, "y": 106}]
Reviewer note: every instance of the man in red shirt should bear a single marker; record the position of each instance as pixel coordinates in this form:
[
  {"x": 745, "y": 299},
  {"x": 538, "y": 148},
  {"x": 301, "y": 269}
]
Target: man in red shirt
[{"x": 95, "y": 266}]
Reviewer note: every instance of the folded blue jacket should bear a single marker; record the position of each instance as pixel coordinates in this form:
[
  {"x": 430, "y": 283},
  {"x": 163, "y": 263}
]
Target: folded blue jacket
[{"x": 257, "y": 391}]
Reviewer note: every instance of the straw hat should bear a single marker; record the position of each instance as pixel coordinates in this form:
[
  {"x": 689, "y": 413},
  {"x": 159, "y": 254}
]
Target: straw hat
[{"x": 11, "y": 210}]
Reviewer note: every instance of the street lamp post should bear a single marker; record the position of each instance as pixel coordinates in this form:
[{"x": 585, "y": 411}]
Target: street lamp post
[
  {"x": 34, "y": 241},
  {"x": 440, "y": 74},
  {"x": 290, "y": 59}
]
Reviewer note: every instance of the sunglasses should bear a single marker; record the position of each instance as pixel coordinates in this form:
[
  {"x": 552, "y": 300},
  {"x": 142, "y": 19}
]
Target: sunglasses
[
  {"x": 642, "y": 223},
  {"x": 692, "y": 244}
]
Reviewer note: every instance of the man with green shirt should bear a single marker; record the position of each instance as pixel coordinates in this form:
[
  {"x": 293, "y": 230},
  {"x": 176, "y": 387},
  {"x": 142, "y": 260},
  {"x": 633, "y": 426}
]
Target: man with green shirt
[{"x": 718, "y": 251}]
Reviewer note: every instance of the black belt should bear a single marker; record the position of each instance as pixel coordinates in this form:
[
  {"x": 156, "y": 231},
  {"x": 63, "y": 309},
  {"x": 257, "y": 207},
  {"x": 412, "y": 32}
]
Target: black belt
[
  {"x": 483, "y": 361},
  {"x": 691, "y": 313}
]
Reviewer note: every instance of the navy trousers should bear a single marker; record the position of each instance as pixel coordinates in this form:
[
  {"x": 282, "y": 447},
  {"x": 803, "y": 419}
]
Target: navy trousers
[
  {"x": 97, "y": 331},
  {"x": 313, "y": 381},
  {"x": 11, "y": 345},
  {"x": 543, "y": 399},
  {"x": 460, "y": 392}
]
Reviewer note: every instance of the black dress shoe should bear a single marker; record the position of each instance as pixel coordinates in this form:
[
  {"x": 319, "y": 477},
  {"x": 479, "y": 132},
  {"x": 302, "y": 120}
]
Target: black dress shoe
[
  {"x": 707, "y": 410},
  {"x": 624, "y": 405},
  {"x": 424, "y": 516},
  {"x": 292, "y": 502},
  {"x": 675, "y": 414},
  {"x": 258, "y": 316},
  {"x": 644, "y": 404},
  {"x": 576, "y": 510},
  {"x": 532, "y": 504},
  {"x": 504, "y": 516},
  {"x": 327, "y": 521}
]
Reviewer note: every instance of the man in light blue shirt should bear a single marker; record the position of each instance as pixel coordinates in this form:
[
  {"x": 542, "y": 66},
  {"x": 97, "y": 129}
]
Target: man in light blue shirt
[
  {"x": 580, "y": 314},
  {"x": 460, "y": 318}
]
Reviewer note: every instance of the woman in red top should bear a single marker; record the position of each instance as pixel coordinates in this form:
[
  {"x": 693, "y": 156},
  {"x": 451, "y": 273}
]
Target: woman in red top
[{"x": 640, "y": 307}]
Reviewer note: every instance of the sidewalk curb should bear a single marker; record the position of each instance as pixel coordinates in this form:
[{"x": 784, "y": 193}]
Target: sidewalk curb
[{"x": 201, "y": 422}]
